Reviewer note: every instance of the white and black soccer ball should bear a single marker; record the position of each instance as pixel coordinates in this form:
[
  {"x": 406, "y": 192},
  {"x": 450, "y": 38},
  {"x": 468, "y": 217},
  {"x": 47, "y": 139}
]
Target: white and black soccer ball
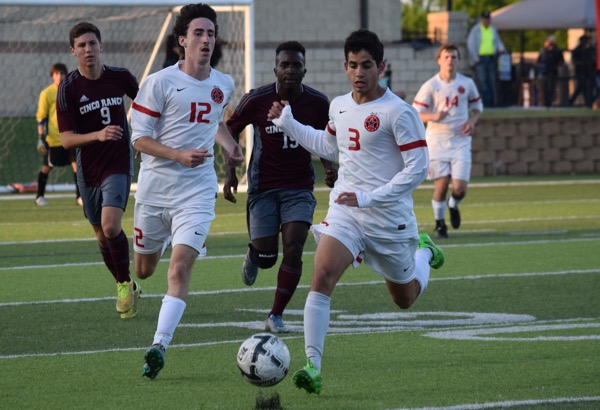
[{"x": 263, "y": 360}]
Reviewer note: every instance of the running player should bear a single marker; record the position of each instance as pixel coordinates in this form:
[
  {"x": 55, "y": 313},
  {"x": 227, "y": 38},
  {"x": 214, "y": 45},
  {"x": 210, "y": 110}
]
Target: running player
[
  {"x": 176, "y": 119},
  {"x": 280, "y": 177},
  {"x": 91, "y": 118},
  {"x": 379, "y": 141},
  {"x": 450, "y": 105}
]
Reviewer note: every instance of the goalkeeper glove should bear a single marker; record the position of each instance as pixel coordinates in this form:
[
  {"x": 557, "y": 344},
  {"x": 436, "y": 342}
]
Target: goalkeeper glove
[{"x": 41, "y": 147}]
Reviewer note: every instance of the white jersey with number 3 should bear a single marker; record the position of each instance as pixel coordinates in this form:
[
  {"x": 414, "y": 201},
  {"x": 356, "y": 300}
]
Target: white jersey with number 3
[
  {"x": 445, "y": 138},
  {"x": 180, "y": 112}
]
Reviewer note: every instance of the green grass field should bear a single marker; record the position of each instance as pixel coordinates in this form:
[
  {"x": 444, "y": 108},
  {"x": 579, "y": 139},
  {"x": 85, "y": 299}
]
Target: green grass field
[{"x": 511, "y": 320}]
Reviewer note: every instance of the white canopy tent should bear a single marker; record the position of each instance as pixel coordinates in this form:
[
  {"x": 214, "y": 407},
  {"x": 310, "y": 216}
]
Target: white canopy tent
[{"x": 546, "y": 15}]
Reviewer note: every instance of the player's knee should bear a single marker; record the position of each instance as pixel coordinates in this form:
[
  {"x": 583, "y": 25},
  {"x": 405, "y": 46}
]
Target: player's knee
[
  {"x": 403, "y": 302},
  {"x": 263, "y": 259}
]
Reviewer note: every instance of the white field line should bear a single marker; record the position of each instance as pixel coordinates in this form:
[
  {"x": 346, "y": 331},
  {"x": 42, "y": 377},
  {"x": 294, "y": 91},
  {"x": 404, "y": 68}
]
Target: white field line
[
  {"x": 510, "y": 403},
  {"x": 272, "y": 288},
  {"x": 63, "y": 265}
]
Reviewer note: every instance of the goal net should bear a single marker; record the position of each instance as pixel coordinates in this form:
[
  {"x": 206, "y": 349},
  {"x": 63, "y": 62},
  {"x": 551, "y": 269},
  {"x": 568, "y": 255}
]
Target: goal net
[{"x": 34, "y": 34}]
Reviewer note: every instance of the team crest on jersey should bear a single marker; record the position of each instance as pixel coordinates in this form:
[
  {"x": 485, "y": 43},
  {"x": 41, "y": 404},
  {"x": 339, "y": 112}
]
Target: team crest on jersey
[
  {"x": 372, "y": 123},
  {"x": 461, "y": 89},
  {"x": 217, "y": 95}
]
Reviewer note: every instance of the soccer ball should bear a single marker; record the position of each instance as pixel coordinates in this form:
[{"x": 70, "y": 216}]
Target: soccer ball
[{"x": 263, "y": 360}]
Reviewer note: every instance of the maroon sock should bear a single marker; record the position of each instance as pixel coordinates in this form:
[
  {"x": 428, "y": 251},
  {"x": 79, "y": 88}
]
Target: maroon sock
[
  {"x": 119, "y": 250},
  {"x": 105, "y": 252},
  {"x": 287, "y": 282}
]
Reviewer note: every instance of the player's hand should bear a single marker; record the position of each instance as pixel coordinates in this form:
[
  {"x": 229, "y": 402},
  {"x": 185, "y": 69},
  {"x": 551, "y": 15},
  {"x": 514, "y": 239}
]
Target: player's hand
[
  {"x": 331, "y": 176},
  {"x": 277, "y": 110},
  {"x": 231, "y": 184},
  {"x": 467, "y": 128},
  {"x": 191, "y": 158},
  {"x": 236, "y": 158},
  {"x": 41, "y": 147},
  {"x": 110, "y": 133},
  {"x": 441, "y": 115},
  {"x": 347, "y": 198}
]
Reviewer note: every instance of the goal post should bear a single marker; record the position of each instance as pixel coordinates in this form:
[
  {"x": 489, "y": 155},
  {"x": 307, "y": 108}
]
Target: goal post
[{"x": 34, "y": 34}]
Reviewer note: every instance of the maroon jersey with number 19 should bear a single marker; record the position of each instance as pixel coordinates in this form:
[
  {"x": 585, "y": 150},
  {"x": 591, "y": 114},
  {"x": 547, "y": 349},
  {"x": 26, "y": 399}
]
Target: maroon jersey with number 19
[{"x": 277, "y": 160}]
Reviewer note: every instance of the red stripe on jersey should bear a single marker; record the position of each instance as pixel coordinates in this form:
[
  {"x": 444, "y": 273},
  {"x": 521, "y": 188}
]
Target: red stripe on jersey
[
  {"x": 329, "y": 130},
  {"x": 413, "y": 145},
  {"x": 145, "y": 110},
  {"x": 420, "y": 103},
  {"x": 474, "y": 100}
]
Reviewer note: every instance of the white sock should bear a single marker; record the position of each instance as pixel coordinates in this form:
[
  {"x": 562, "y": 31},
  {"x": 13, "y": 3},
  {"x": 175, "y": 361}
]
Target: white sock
[
  {"x": 170, "y": 314},
  {"x": 316, "y": 323},
  {"x": 453, "y": 202},
  {"x": 439, "y": 209},
  {"x": 422, "y": 268}
]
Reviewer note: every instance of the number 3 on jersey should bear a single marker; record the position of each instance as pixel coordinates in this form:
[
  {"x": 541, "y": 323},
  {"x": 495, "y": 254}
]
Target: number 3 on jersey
[
  {"x": 198, "y": 110},
  {"x": 355, "y": 139}
]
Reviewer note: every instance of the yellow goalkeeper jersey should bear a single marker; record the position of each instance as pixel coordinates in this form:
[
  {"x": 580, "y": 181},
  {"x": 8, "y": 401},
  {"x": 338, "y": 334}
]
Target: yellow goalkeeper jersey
[{"x": 47, "y": 112}]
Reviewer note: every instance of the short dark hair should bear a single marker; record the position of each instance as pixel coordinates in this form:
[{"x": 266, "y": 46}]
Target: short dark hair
[
  {"x": 58, "y": 68},
  {"x": 448, "y": 47},
  {"x": 82, "y": 28},
  {"x": 291, "y": 46},
  {"x": 191, "y": 12},
  {"x": 364, "y": 39}
]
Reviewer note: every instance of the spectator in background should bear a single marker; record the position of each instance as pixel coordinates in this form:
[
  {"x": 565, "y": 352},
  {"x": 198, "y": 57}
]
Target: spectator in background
[
  {"x": 584, "y": 61},
  {"x": 483, "y": 46},
  {"x": 549, "y": 62},
  {"x": 49, "y": 138}
]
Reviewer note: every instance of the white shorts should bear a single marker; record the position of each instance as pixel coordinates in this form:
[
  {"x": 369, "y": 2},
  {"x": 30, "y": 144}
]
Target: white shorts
[
  {"x": 394, "y": 259},
  {"x": 186, "y": 226},
  {"x": 457, "y": 168}
]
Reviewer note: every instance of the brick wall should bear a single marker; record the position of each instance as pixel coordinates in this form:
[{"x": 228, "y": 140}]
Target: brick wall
[{"x": 536, "y": 146}]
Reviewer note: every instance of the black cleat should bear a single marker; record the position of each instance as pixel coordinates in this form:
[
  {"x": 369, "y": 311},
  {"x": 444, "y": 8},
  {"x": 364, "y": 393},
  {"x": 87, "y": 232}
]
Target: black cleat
[
  {"x": 454, "y": 217},
  {"x": 441, "y": 229}
]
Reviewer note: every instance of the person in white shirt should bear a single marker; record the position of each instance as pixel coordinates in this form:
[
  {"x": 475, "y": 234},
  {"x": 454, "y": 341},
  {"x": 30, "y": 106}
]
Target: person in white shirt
[
  {"x": 177, "y": 116},
  {"x": 379, "y": 142},
  {"x": 450, "y": 105}
]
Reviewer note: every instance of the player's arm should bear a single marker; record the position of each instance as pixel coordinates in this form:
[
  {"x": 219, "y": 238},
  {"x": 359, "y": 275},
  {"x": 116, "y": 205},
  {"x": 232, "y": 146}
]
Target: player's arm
[
  {"x": 234, "y": 158},
  {"x": 433, "y": 116},
  {"x": 231, "y": 181},
  {"x": 318, "y": 142},
  {"x": 331, "y": 174},
  {"x": 469, "y": 126},
  {"x": 42, "y": 123},
  {"x": 70, "y": 139}
]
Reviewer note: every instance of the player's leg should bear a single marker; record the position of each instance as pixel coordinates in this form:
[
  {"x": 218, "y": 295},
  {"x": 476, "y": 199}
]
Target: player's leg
[
  {"x": 332, "y": 258},
  {"x": 73, "y": 160},
  {"x": 461, "y": 172},
  {"x": 115, "y": 195},
  {"x": 42, "y": 179},
  {"x": 296, "y": 210},
  {"x": 439, "y": 203},
  {"x": 189, "y": 228},
  {"x": 264, "y": 223},
  {"x": 405, "y": 265}
]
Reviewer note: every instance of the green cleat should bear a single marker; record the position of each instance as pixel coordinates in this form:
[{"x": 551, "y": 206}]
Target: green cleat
[
  {"x": 132, "y": 312},
  {"x": 437, "y": 260},
  {"x": 155, "y": 361},
  {"x": 125, "y": 296},
  {"x": 308, "y": 378}
]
